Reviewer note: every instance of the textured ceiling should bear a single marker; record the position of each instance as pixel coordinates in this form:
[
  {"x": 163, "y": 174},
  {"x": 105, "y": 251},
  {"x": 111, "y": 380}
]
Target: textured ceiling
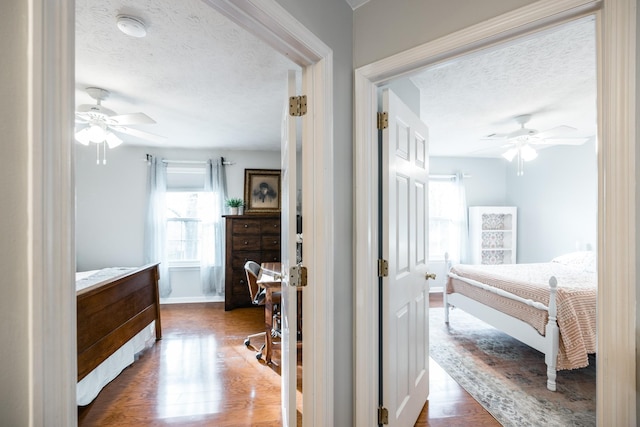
[
  {"x": 205, "y": 81},
  {"x": 551, "y": 76},
  {"x": 208, "y": 83}
]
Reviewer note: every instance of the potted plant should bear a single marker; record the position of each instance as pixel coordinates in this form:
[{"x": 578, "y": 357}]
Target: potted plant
[{"x": 235, "y": 203}]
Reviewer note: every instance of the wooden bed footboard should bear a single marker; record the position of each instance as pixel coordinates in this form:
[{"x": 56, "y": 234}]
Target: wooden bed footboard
[{"x": 112, "y": 312}]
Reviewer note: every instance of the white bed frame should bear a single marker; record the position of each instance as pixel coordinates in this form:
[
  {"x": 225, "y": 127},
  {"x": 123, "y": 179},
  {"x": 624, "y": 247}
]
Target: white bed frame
[{"x": 547, "y": 344}]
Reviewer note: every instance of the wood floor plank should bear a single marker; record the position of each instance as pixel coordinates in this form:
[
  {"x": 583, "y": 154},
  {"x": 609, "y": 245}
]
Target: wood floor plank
[{"x": 201, "y": 374}]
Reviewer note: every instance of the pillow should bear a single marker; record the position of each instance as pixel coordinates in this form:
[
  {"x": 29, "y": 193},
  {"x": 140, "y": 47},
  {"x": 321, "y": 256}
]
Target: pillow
[{"x": 582, "y": 260}]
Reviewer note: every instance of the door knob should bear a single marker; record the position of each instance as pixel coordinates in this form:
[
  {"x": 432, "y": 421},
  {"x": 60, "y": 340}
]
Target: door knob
[{"x": 431, "y": 276}]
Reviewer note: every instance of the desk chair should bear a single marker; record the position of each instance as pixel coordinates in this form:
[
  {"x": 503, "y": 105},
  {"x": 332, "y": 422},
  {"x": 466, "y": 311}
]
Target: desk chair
[{"x": 258, "y": 296}]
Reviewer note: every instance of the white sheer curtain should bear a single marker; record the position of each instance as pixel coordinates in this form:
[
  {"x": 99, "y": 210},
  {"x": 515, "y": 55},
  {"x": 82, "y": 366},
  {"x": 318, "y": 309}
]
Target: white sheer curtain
[
  {"x": 155, "y": 249},
  {"x": 461, "y": 221},
  {"x": 212, "y": 235},
  {"x": 448, "y": 218}
]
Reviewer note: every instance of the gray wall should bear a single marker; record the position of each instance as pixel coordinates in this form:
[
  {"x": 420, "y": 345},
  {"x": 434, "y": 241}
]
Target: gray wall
[
  {"x": 14, "y": 313},
  {"x": 406, "y": 91},
  {"x": 331, "y": 21},
  {"x": 637, "y": 212},
  {"x": 382, "y": 28},
  {"x": 487, "y": 185},
  {"x": 556, "y": 197},
  {"x": 557, "y": 200},
  {"x": 111, "y": 199}
]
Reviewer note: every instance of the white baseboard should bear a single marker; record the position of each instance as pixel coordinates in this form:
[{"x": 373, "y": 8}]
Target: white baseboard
[{"x": 190, "y": 300}]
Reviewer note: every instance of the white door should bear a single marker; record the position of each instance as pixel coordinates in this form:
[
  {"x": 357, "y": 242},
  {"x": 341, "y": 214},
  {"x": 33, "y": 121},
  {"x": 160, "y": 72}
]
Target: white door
[
  {"x": 405, "y": 292},
  {"x": 289, "y": 293}
]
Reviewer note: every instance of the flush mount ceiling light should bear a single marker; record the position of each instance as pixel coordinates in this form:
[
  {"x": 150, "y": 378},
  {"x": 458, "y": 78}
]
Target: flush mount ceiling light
[{"x": 131, "y": 26}]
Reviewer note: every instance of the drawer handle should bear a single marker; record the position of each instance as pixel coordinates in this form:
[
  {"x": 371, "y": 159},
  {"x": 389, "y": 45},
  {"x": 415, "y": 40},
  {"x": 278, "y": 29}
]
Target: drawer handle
[
  {"x": 275, "y": 225},
  {"x": 246, "y": 226},
  {"x": 275, "y": 242},
  {"x": 246, "y": 242}
]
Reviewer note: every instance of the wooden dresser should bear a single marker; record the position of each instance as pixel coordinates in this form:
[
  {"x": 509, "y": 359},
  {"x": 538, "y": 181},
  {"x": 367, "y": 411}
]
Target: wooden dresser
[{"x": 248, "y": 237}]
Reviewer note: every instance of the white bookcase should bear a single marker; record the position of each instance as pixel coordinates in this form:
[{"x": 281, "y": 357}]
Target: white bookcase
[{"x": 492, "y": 234}]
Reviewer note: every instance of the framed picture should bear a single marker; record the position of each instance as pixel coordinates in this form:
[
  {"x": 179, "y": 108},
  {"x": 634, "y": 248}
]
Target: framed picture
[{"x": 262, "y": 190}]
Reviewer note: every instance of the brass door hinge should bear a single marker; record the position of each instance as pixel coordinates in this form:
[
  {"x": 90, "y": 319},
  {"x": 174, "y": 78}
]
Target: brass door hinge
[
  {"x": 383, "y": 415},
  {"x": 383, "y": 120},
  {"x": 298, "y": 276},
  {"x": 298, "y": 105},
  {"x": 383, "y": 268}
]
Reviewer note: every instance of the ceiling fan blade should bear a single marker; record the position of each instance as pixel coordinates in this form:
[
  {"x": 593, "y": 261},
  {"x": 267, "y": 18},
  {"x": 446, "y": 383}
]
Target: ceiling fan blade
[
  {"x": 139, "y": 134},
  {"x": 494, "y": 136},
  {"x": 563, "y": 141},
  {"x": 130, "y": 119},
  {"x": 559, "y": 130},
  {"x": 82, "y": 117}
]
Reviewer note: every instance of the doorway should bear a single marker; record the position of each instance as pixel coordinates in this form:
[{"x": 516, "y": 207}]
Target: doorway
[
  {"x": 556, "y": 207},
  {"x": 56, "y": 99},
  {"x": 511, "y": 25}
]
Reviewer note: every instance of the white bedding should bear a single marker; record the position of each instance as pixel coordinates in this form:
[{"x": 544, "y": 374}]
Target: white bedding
[{"x": 89, "y": 387}]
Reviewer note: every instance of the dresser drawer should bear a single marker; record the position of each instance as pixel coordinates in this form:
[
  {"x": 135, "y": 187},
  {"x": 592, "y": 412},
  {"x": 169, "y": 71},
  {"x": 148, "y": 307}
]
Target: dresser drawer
[
  {"x": 239, "y": 259},
  {"x": 271, "y": 256},
  {"x": 271, "y": 226},
  {"x": 240, "y": 289},
  {"x": 246, "y": 226},
  {"x": 270, "y": 243},
  {"x": 246, "y": 243}
]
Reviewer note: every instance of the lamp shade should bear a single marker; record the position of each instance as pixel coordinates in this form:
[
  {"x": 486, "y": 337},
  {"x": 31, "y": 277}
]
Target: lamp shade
[
  {"x": 112, "y": 140},
  {"x": 528, "y": 153},
  {"x": 82, "y": 136},
  {"x": 96, "y": 133},
  {"x": 510, "y": 154}
]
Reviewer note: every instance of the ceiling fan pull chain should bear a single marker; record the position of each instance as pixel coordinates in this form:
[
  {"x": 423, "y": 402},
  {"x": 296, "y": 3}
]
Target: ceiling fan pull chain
[
  {"x": 97, "y": 154},
  {"x": 104, "y": 152}
]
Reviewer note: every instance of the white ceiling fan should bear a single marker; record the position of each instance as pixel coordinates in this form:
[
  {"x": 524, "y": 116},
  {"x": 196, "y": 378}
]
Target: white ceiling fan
[
  {"x": 100, "y": 125},
  {"x": 523, "y": 142}
]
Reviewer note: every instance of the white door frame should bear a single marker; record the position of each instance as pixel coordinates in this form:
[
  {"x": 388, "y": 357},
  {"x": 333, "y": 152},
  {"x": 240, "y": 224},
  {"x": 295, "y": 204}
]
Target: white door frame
[
  {"x": 51, "y": 231},
  {"x": 616, "y": 29}
]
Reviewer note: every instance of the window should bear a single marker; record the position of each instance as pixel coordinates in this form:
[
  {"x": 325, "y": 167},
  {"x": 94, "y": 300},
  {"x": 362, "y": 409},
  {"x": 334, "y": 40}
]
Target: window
[
  {"x": 444, "y": 223},
  {"x": 185, "y": 210}
]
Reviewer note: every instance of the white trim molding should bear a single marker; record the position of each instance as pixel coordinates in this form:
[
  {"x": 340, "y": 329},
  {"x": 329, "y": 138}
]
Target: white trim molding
[
  {"x": 52, "y": 355},
  {"x": 617, "y": 121},
  {"x": 52, "y": 198},
  {"x": 616, "y": 190}
]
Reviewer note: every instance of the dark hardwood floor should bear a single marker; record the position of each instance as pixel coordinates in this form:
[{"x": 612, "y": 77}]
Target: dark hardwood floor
[{"x": 201, "y": 374}]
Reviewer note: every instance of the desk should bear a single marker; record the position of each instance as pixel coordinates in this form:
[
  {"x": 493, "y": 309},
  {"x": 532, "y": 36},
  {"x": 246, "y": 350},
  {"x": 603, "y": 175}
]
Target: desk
[{"x": 269, "y": 279}]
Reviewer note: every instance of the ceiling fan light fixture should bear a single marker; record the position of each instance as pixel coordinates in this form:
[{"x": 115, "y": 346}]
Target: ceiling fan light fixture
[
  {"x": 96, "y": 133},
  {"x": 82, "y": 136},
  {"x": 528, "y": 153},
  {"x": 112, "y": 140},
  {"x": 131, "y": 26},
  {"x": 510, "y": 154}
]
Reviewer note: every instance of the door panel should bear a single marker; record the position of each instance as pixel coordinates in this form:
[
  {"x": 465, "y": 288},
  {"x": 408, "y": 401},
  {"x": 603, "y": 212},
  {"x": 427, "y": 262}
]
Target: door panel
[{"x": 405, "y": 298}]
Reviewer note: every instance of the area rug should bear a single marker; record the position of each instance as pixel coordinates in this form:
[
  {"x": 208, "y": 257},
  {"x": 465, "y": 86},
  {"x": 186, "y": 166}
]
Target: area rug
[{"x": 508, "y": 378}]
